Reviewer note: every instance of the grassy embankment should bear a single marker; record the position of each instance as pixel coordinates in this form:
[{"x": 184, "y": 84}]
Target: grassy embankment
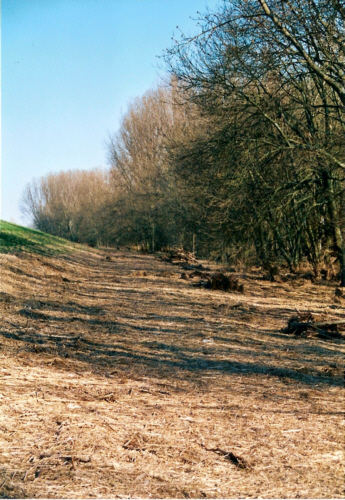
[{"x": 18, "y": 239}]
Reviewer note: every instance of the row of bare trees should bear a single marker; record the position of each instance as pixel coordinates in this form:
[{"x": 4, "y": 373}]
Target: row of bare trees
[
  {"x": 242, "y": 154},
  {"x": 70, "y": 204}
]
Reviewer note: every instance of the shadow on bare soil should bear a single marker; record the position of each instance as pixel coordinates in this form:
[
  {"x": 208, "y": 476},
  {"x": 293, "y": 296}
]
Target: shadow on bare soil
[
  {"x": 122, "y": 322},
  {"x": 162, "y": 358}
]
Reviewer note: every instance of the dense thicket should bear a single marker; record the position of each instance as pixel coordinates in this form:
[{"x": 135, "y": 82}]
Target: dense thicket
[{"x": 243, "y": 155}]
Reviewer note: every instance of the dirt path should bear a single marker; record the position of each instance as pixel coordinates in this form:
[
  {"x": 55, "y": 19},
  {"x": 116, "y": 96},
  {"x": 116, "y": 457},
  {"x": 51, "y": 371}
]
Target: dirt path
[{"x": 120, "y": 379}]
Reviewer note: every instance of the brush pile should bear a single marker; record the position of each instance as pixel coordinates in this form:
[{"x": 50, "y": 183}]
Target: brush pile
[
  {"x": 178, "y": 256},
  {"x": 219, "y": 281},
  {"x": 305, "y": 324},
  {"x": 211, "y": 281}
]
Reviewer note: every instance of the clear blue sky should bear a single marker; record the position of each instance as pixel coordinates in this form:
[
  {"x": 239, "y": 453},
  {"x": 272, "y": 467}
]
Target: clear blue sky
[{"x": 69, "y": 70}]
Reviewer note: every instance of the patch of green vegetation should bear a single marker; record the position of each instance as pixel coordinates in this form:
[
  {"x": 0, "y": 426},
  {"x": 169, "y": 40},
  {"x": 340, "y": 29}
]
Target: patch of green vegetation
[{"x": 14, "y": 238}]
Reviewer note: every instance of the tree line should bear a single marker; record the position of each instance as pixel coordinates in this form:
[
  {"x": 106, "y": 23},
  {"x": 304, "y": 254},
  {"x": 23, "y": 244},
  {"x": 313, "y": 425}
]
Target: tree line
[{"x": 240, "y": 156}]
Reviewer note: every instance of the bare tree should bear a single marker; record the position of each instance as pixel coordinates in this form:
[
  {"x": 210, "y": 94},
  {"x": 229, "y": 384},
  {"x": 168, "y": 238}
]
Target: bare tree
[
  {"x": 69, "y": 204},
  {"x": 275, "y": 72}
]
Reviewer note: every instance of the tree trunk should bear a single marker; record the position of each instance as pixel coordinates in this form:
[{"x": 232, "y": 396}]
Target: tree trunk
[
  {"x": 153, "y": 238},
  {"x": 338, "y": 240}
]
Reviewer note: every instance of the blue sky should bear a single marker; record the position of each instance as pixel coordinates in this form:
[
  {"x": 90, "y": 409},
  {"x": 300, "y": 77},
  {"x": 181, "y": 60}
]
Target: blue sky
[{"x": 69, "y": 70}]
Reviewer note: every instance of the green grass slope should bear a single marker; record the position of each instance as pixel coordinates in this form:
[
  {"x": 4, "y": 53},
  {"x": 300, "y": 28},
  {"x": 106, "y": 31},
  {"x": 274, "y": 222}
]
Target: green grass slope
[{"x": 14, "y": 238}]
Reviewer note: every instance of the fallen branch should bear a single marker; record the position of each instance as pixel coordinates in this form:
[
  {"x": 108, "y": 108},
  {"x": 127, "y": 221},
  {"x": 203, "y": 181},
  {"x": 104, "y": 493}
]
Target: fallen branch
[{"x": 228, "y": 455}]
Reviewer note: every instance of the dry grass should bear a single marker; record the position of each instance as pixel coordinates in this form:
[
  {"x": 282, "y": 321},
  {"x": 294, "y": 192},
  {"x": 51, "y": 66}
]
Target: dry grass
[{"x": 118, "y": 379}]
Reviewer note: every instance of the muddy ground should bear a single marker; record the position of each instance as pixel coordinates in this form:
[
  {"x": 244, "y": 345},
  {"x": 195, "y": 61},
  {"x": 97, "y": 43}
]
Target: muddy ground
[{"x": 120, "y": 379}]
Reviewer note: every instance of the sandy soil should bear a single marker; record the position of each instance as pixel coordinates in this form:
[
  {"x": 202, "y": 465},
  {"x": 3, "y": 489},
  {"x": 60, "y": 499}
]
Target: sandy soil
[{"x": 119, "y": 379}]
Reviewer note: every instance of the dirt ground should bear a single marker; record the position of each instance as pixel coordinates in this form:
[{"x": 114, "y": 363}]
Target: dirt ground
[{"x": 119, "y": 379}]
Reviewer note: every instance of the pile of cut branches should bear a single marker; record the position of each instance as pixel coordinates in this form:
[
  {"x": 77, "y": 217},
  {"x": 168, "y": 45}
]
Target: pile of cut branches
[
  {"x": 178, "y": 256},
  {"x": 220, "y": 281},
  {"x": 307, "y": 325}
]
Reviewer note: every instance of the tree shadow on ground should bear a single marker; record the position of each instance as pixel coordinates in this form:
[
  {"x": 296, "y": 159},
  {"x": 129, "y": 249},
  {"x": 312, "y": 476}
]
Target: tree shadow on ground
[
  {"x": 125, "y": 333},
  {"x": 161, "y": 358}
]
